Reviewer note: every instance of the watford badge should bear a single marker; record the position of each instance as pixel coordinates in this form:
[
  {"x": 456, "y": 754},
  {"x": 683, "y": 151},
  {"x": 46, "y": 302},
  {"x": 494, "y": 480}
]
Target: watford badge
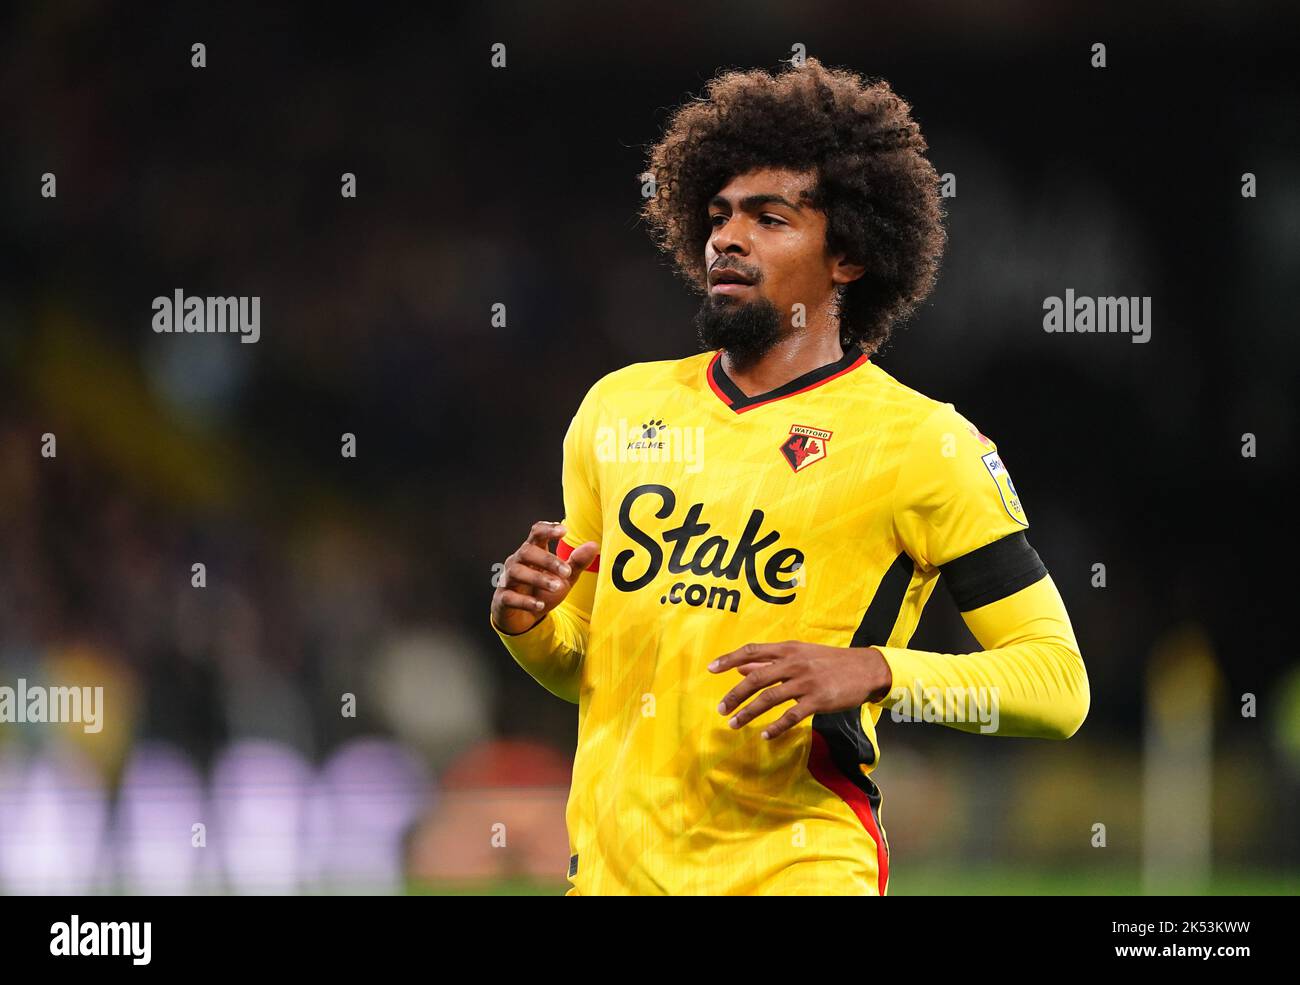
[{"x": 805, "y": 446}]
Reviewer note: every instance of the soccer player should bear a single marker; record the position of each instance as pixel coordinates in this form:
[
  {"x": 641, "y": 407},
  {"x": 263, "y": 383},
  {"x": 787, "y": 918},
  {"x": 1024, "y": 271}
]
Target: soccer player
[{"x": 750, "y": 533}]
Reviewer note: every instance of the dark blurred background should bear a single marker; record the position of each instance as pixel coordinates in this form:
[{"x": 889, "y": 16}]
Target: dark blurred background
[{"x": 371, "y": 576}]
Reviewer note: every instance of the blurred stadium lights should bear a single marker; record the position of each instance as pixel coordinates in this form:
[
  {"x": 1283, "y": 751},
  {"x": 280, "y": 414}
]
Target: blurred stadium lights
[
  {"x": 53, "y": 823},
  {"x": 363, "y": 802},
  {"x": 269, "y": 824},
  {"x": 160, "y": 799}
]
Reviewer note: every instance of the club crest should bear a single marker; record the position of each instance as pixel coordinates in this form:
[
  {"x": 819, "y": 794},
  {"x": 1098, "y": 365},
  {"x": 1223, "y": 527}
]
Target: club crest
[{"x": 805, "y": 446}]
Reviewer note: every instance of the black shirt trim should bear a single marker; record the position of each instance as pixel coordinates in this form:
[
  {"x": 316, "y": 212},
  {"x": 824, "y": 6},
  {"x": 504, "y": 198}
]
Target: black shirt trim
[{"x": 736, "y": 399}]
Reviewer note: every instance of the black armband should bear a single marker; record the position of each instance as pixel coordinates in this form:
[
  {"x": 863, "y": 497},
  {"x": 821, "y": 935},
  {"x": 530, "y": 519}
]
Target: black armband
[{"x": 993, "y": 572}]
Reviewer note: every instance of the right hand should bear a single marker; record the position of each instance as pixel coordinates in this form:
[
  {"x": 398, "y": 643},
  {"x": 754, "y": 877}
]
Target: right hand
[{"x": 534, "y": 581}]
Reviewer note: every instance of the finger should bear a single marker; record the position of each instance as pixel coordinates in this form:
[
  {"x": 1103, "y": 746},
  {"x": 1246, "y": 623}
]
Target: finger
[
  {"x": 518, "y": 573},
  {"x": 543, "y": 560},
  {"x": 544, "y": 531},
  {"x": 766, "y": 700},
  {"x": 583, "y": 556},
  {"x": 788, "y": 721},
  {"x": 752, "y": 684},
  {"x": 746, "y": 668},
  {"x": 515, "y": 600},
  {"x": 746, "y": 654}
]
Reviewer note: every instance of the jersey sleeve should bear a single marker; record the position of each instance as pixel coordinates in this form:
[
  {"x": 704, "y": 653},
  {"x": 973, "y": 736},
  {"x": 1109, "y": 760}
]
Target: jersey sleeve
[
  {"x": 954, "y": 494},
  {"x": 957, "y": 510},
  {"x": 553, "y": 649},
  {"x": 582, "y": 510},
  {"x": 1030, "y": 679}
]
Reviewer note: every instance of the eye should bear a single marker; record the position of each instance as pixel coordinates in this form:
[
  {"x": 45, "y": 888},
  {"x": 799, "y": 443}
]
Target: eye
[
  {"x": 713, "y": 219},
  {"x": 775, "y": 219}
]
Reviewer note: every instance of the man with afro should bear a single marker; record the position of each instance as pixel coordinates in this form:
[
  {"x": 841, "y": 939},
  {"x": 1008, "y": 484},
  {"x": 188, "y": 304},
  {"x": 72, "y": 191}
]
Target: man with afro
[{"x": 751, "y": 533}]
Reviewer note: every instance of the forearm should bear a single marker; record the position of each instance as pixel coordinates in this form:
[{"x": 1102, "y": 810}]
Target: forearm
[{"x": 1030, "y": 675}]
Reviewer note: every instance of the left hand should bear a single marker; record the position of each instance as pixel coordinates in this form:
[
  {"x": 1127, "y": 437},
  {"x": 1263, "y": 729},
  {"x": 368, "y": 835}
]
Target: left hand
[{"x": 817, "y": 678}]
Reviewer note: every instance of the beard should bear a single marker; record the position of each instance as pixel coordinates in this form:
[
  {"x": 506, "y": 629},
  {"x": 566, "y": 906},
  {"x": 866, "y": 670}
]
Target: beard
[{"x": 747, "y": 330}]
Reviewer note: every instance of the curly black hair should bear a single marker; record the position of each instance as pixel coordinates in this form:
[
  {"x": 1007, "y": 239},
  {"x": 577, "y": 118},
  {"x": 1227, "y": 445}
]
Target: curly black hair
[{"x": 878, "y": 190}]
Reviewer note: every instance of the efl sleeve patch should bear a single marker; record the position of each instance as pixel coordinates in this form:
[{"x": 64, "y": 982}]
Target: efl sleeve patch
[{"x": 1006, "y": 488}]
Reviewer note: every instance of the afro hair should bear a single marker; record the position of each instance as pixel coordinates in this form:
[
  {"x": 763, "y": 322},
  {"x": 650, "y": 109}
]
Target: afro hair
[{"x": 878, "y": 190}]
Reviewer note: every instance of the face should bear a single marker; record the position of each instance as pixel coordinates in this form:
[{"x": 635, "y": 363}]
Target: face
[{"x": 765, "y": 234}]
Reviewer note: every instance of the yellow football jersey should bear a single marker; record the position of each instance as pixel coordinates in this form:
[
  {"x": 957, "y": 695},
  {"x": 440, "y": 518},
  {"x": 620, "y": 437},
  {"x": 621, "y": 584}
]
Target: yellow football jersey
[{"x": 823, "y": 511}]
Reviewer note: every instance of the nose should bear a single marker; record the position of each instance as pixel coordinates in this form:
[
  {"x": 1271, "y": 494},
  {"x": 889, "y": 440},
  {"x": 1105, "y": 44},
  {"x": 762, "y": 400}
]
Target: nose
[{"x": 729, "y": 237}]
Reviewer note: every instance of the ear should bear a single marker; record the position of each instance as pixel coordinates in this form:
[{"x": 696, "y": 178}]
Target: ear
[{"x": 844, "y": 272}]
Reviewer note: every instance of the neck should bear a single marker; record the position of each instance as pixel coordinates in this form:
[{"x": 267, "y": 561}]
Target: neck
[{"x": 798, "y": 353}]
